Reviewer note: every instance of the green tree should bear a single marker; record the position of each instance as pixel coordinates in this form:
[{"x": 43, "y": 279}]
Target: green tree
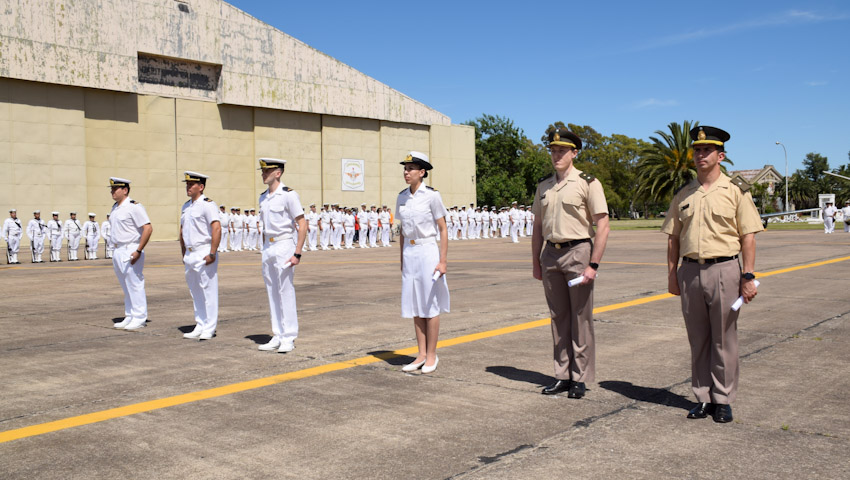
[
  {"x": 667, "y": 163},
  {"x": 810, "y": 181}
]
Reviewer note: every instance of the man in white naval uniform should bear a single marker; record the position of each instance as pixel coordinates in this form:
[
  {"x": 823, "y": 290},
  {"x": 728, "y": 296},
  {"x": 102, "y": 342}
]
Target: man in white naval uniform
[
  {"x": 92, "y": 232},
  {"x": 463, "y": 216},
  {"x": 237, "y": 222},
  {"x": 523, "y": 218},
  {"x": 829, "y": 218},
  {"x": 224, "y": 223},
  {"x": 131, "y": 230},
  {"x": 384, "y": 220},
  {"x": 280, "y": 209},
  {"x": 12, "y": 233},
  {"x": 312, "y": 227},
  {"x": 36, "y": 231},
  {"x": 337, "y": 227},
  {"x": 450, "y": 228},
  {"x": 200, "y": 234},
  {"x": 250, "y": 230},
  {"x": 106, "y": 233},
  {"x": 363, "y": 220},
  {"x": 529, "y": 221},
  {"x": 505, "y": 222},
  {"x": 513, "y": 217},
  {"x": 325, "y": 227},
  {"x": 72, "y": 232},
  {"x": 55, "y": 228},
  {"x": 494, "y": 222},
  {"x": 373, "y": 227},
  {"x": 846, "y": 213},
  {"x": 348, "y": 225}
]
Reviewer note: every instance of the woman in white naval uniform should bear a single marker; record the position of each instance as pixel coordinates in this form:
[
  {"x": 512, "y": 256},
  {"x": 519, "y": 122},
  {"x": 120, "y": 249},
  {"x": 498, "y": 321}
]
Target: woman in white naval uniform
[{"x": 423, "y": 257}]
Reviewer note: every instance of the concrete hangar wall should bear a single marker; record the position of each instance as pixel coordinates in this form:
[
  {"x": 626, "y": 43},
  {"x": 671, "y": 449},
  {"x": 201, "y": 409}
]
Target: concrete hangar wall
[{"x": 146, "y": 89}]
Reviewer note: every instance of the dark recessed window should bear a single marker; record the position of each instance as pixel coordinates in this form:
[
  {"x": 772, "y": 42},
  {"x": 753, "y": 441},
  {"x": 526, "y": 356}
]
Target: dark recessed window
[{"x": 178, "y": 73}]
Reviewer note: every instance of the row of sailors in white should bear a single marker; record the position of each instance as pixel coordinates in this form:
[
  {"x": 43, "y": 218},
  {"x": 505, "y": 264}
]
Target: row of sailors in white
[
  {"x": 240, "y": 231},
  {"x": 55, "y": 231},
  {"x": 329, "y": 227},
  {"x": 478, "y": 222}
]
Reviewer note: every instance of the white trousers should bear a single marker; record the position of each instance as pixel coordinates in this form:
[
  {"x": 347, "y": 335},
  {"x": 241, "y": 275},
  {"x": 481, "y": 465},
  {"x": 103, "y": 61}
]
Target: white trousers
[
  {"x": 349, "y": 237},
  {"x": 514, "y": 232},
  {"x": 521, "y": 229},
  {"x": 373, "y": 236},
  {"x": 828, "y": 224},
  {"x": 55, "y": 248},
  {"x": 385, "y": 236},
  {"x": 337, "y": 237},
  {"x": 450, "y": 228},
  {"x": 324, "y": 237},
  {"x": 203, "y": 286},
  {"x": 13, "y": 244},
  {"x": 225, "y": 237},
  {"x": 236, "y": 240},
  {"x": 312, "y": 237},
  {"x": 463, "y": 228},
  {"x": 73, "y": 245},
  {"x": 132, "y": 281},
  {"x": 485, "y": 230},
  {"x": 38, "y": 247},
  {"x": 362, "y": 238},
  {"x": 91, "y": 244},
  {"x": 284, "y": 313}
]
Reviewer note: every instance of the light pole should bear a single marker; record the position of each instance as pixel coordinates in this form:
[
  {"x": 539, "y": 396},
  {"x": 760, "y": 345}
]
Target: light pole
[{"x": 786, "y": 174}]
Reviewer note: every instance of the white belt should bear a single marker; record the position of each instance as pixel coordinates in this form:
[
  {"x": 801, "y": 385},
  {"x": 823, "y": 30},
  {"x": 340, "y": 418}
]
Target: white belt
[
  {"x": 196, "y": 247},
  {"x": 126, "y": 244},
  {"x": 287, "y": 236},
  {"x": 421, "y": 241}
]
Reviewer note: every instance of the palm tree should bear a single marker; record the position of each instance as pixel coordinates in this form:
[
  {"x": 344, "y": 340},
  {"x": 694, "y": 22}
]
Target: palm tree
[{"x": 667, "y": 163}]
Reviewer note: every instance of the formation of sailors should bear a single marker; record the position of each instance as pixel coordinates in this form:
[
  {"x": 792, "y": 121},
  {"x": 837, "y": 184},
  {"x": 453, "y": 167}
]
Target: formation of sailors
[
  {"x": 53, "y": 233},
  {"x": 486, "y": 222}
]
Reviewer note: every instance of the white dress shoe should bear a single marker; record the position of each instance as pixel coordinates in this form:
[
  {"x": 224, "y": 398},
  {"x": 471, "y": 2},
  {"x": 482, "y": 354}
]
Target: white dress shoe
[
  {"x": 195, "y": 333},
  {"x": 124, "y": 322},
  {"x": 427, "y": 369},
  {"x": 206, "y": 336},
  {"x": 412, "y": 367},
  {"x": 136, "y": 324},
  {"x": 274, "y": 344},
  {"x": 286, "y": 347}
]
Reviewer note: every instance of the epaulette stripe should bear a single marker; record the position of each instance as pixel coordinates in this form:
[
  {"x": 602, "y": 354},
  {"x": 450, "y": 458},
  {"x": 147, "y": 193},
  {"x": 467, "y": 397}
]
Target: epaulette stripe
[{"x": 547, "y": 177}]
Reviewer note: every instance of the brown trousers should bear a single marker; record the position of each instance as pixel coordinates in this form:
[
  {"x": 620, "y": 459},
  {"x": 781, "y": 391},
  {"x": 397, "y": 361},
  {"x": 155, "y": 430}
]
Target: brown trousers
[
  {"x": 571, "y": 309},
  {"x": 708, "y": 292}
]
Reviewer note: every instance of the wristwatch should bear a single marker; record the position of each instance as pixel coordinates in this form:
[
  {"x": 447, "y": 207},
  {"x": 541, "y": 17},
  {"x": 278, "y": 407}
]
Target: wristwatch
[
  {"x": 748, "y": 276},
  {"x": 594, "y": 266},
  {"x": 139, "y": 252},
  {"x": 297, "y": 255}
]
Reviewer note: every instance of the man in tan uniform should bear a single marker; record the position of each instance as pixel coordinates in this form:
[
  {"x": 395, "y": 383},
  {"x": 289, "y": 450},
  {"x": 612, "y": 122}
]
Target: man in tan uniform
[
  {"x": 710, "y": 222},
  {"x": 566, "y": 205}
]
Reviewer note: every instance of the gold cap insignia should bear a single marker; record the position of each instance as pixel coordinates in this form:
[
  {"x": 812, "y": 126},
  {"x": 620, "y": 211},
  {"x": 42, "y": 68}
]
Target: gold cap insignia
[
  {"x": 557, "y": 137},
  {"x": 408, "y": 158},
  {"x": 701, "y": 135}
]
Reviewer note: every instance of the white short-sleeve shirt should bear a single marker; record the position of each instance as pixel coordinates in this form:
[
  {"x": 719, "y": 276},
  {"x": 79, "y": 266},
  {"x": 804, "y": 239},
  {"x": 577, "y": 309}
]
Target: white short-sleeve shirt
[
  {"x": 127, "y": 221},
  {"x": 278, "y": 211},
  {"x": 196, "y": 219},
  {"x": 419, "y": 212}
]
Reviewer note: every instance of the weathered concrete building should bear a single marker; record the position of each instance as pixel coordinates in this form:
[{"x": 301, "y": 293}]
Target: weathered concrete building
[{"x": 145, "y": 89}]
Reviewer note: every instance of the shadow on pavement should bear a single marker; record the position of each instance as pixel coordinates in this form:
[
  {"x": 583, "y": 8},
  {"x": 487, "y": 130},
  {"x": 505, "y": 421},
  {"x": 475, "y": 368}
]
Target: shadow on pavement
[
  {"x": 659, "y": 396},
  {"x": 392, "y": 358},
  {"x": 259, "y": 339},
  {"x": 520, "y": 375}
]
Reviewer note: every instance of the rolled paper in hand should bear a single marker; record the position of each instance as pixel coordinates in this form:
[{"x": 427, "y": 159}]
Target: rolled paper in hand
[
  {"x": 200, "y": 264},
  {"x": 436, "y": 276},
  {"x": 577, "y": 280},
  {"x": 287, "y": 264},
  {"x": 740, "y": 301}
]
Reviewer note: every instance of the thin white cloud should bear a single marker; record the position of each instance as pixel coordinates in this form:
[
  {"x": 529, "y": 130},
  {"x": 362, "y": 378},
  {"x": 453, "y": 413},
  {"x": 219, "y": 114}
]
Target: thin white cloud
[
  {"x": 817, "y": 83},
  {"x": 654, "y": 102},
  {"x": 785, "y": 18}
]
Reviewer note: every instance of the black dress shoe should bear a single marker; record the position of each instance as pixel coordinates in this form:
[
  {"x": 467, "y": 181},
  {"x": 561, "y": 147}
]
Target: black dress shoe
[
  {"x": 577, "y": 390},
  {"x": 722, "y": 414},
  {"x": 559, "y": 386},
  {"x": 702, "y": 410}
]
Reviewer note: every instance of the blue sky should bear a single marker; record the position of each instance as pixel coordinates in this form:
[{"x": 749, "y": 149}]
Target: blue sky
[{"x": 763, "y": 71}]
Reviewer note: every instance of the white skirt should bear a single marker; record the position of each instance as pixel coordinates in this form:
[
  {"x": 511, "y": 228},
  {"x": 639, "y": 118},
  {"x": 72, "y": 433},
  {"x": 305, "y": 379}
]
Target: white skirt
[{"x": 421, "y": 296}]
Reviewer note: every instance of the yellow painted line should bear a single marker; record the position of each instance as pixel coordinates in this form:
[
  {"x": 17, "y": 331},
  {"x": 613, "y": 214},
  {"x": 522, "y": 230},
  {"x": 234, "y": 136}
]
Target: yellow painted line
[{"x": 185, "y": 398}]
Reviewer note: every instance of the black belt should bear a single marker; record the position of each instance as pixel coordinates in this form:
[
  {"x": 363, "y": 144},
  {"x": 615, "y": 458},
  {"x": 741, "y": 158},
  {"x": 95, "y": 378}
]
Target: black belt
[
  {"x": 569, "y": 244},
  {"x": 709, "y": 260}
]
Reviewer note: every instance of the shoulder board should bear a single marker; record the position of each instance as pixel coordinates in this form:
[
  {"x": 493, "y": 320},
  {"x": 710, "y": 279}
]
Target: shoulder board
[
  {"x": 402, "y": 191},
  {"x": 287, "y": 189},
  {"x": 430, "y": 188},
  {"x": 114, "y": 204},
  {"x": 742, "y": 185},
  {"x": 587, "y": 177},
  {"x": 132, "y": 201},
  {"x": 267, "y": 191},
  {"x": 547, "y": 177},
  {"x": 208, "y": 199},
  {"x": 682, "y": 186}
]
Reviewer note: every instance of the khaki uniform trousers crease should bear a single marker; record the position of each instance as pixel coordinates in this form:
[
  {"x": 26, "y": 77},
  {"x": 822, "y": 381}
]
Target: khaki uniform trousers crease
[
  {"x": 708, "y": 292},
  {"x": 571, "y": 309}
]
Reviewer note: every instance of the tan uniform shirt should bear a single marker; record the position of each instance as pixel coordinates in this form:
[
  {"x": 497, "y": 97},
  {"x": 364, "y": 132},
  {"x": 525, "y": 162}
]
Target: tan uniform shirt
[
  {"x": 710, "y": 224},
  {"x": 566, "y": 209}
]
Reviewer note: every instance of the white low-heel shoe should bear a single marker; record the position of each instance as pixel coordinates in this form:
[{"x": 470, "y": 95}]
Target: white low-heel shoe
[
  {"x": 412, "y": 367},
  {"x": 427, "y": 369},
  {"x": 194, "y": 333}
]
